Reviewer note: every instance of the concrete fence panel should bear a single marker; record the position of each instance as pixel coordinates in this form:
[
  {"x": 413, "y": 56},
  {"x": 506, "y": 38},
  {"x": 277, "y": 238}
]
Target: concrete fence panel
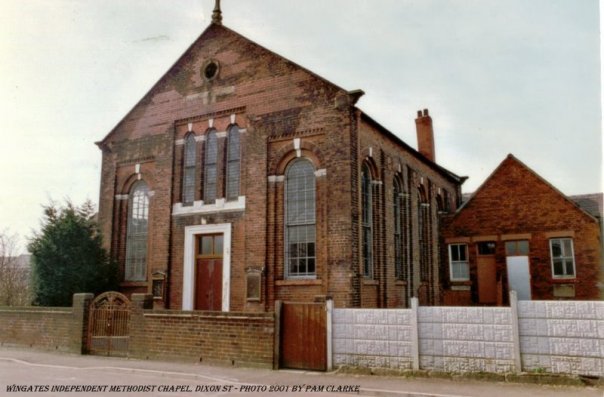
[
  {"x": 466, "y": 339},
  {"x": 562, "y": 337},
  {"x": 372, "y": 338}
]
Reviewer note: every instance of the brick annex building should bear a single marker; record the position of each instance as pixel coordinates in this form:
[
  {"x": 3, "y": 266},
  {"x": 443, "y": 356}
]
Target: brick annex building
[
  {"x": 518, "y": 232},
  {"x": 242, "y": 178}
]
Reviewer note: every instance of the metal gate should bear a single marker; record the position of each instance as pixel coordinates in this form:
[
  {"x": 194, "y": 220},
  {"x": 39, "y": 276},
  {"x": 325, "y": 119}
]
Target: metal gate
[
  {"x": 304, "y": 336},
  {"x": 108, "y": 329}
]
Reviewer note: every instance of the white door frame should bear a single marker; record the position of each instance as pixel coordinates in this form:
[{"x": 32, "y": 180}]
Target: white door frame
[{"x": 188, "y": 274}]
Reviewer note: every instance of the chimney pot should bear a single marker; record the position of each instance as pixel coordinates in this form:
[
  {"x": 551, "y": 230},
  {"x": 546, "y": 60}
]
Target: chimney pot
[
  {"x": 426, "y": 112},
  {"x": 419, "y": 113}
]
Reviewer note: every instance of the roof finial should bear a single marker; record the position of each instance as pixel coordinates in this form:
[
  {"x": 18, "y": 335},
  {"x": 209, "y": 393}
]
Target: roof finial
[{"x": 217, "y": 14}]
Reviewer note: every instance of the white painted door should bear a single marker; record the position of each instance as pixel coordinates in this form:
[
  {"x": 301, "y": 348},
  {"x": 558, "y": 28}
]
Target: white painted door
[{"x": 519, "y": 276}]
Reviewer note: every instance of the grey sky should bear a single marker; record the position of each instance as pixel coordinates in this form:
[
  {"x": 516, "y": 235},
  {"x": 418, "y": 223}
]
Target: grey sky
[{"x": 499, "y": 77}]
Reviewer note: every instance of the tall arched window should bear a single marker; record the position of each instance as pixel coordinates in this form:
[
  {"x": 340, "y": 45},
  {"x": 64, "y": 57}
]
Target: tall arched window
[
  {"x": 232, "y": 167},
  {"x": 209, "y": 177},
  {"x": 366, "y": 222},
  {"x": 188, "y": 170},
  {"x": 136, "y": 236},
  {"x": 300, "y": 220},
  {"x": 397, "y": 198},
  {"x": 423, "y": 215}
]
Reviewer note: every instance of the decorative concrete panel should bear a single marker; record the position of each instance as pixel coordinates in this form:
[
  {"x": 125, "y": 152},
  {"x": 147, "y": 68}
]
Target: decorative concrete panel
[
  {"x": 462, "y": 339},
  {"x": 562, "y": 337},
  {"x": 558, "y": 337},
  {"x": 372, "y": 338}
]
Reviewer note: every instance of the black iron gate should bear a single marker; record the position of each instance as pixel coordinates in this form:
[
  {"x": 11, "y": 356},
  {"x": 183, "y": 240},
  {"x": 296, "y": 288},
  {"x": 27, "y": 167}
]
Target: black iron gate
[{"x": 108, "y": 329}]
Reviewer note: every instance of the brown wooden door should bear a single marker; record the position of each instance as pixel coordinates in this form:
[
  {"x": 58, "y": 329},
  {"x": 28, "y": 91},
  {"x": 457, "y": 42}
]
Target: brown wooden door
[
  {"x": 208, "y": 272},
  {"x": 304, "y": 336},
  {"x": 487, "y": 279}
]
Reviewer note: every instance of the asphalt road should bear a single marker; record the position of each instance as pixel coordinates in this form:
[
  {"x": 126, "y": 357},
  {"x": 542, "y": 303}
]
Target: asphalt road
[{"x": 34, "y": 373}]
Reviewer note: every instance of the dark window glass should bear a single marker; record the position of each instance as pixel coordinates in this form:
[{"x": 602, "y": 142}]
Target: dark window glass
[
  {"x": 188, "y": 175},
  {"x": 211, "y": 157},
  {"x": 137, "y": 230},
  {"x": 424, "y": 234},
  {"x": 233, "y": 164},
  {"x": 367, "y": 219},
  {"x": 458, "y": 262},
  {"x": 398, "y": 238},
  {"x": 563, "y": 258},
  {"x": 486, "y": 248},
  {"x": 300, "y": 220}
]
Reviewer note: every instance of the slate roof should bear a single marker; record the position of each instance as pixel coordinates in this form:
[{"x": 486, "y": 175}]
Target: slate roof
[{"x": 591, "y": 203}]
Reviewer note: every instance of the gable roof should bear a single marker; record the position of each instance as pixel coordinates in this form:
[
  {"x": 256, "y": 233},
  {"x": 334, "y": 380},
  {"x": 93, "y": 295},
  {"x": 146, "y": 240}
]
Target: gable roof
[
  {"x": 443, "y": 171},
  {"x": 511, "y": 158},
  {"x": 356, "y": 93},
  {"x": 212, "y": 26}
]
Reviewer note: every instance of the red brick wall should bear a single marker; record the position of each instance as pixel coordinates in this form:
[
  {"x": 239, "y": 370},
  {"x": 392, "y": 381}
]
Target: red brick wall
[
  {"x": 207, "y": 337},
  {"x": 47, "y": 328},
  {"x": 275, "y": 101},
  {"x": 389, "y": 159},
  {"x": 41, "y": 328},
  {"x": 514, "y": 200}
]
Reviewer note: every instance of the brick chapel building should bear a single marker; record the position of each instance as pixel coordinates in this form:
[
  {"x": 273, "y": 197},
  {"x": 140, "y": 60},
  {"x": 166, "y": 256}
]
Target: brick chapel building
[
  {"x": 518, "y": 232},
  {"x": 242, "y": 178}
]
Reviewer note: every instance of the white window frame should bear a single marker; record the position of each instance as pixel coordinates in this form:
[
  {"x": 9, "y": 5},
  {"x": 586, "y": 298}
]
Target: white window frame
[
  {"x": 564, "y": 257},
  {"x": 452, "y": 262}
]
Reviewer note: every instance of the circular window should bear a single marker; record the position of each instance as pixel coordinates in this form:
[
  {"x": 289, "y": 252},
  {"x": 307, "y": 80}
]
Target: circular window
[{"x": 210, "y": 70}]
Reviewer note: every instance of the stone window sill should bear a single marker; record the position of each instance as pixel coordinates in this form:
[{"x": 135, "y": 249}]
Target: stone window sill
[{"x": 298, "y": 282}]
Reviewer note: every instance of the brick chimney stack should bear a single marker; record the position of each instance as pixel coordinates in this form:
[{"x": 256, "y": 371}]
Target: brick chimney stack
[{"x": 425, "y": 135}]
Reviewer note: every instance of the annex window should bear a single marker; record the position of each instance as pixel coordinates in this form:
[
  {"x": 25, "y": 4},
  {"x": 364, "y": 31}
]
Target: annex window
[
  {"x": 136, "y": 235},
  {"x": 300, "y": 220},
  {"x": 209, "y": 176},
  {"x": 458, "y": 262},
  {"x": 517, "y": 248},
  {"x": 486, "y": 248},
  {"x": 563, "y": 259},
  {"x": 398, "y": 235},
  {"x": 366, "y": 222},
  {"x": 188, "y": 173},
  {"x": 233, "y": 167}
]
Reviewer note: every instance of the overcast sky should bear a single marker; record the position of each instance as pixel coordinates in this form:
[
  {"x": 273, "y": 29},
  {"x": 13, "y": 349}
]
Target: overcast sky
[{"x": 499, "y": 77}]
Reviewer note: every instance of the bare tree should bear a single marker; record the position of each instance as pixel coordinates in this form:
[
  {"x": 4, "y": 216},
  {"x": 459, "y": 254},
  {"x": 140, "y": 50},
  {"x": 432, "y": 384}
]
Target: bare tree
[{"x": 14, "y": 272}]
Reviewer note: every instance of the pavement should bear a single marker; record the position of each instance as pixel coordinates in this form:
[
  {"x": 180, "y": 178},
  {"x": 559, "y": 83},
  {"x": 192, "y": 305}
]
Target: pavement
[{"x": 38, "y": 373}]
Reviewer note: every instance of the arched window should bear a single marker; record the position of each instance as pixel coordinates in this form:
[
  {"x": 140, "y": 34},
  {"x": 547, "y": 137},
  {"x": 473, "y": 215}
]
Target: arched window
[
  {"x": 423, "y": 215},
  {"x": 209, "y": 177},
  {"x": 136, "y": 237},
  {"x": 188, "y": 172},
  {"x": 398, "y": 235},
  {"x": 232, "y": 167},
  {"x": 300, "y": 220},
  {"x": 366, "y": 222}
]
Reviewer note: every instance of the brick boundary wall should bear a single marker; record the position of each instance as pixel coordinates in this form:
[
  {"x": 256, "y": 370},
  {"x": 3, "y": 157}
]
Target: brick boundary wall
[
  {"x": 532, "y": 336},
  {"x": 46, "y": 328},
  {"x": 228, "y": 338}
]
